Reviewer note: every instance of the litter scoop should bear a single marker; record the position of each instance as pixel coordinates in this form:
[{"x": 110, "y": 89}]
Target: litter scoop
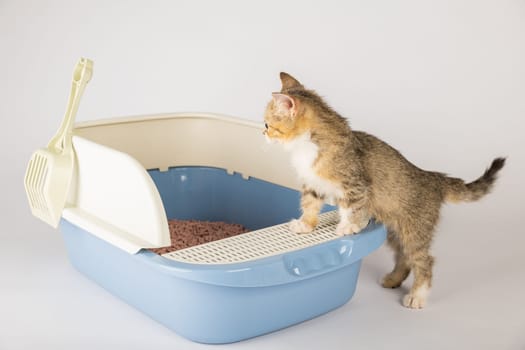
[{"x": 49, "y": 172}]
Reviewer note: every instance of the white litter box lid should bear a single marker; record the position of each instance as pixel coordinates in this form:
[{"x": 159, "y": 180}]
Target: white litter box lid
[
  {"x": 115, "y": 199},
  {"x": 273, "y": 240}
]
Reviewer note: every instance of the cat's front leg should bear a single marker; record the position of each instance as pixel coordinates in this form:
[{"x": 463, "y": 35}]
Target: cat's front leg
[
  {"x": 351, "y": 220},
  {"x": 311, "y": 204}
]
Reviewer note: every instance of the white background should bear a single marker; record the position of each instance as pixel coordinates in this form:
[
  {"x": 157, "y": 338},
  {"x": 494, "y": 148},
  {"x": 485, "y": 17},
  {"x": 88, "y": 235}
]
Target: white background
[{"x": 442, "y": 81}]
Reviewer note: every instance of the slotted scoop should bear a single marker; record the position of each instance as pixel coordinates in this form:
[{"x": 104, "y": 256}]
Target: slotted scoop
[{"x": 49, "y": 172}]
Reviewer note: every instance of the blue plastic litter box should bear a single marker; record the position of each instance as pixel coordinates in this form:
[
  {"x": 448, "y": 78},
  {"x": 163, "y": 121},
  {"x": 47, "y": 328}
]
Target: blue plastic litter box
[{"x": 132, "y": 174}]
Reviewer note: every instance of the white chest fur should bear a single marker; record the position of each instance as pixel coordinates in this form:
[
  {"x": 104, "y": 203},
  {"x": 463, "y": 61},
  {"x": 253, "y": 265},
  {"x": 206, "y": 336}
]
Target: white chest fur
[{"x": 304, "y": 153}]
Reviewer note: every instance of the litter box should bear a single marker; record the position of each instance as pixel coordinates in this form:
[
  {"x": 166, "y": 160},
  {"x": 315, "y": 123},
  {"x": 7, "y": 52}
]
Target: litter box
[{"x": 131, "y": 175}]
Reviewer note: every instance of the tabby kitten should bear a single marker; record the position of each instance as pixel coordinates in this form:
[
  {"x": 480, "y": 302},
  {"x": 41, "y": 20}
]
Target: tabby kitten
[{"x": 366, "y": 178}]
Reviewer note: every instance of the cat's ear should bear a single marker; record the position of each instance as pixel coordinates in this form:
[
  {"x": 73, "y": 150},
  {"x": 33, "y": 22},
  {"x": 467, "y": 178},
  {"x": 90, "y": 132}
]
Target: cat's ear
[
  {"x": 285, "y": 104},
  {"x": 289, "y": 82}
]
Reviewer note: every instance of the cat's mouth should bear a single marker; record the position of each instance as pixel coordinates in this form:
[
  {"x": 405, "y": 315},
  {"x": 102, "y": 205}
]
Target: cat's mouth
[
  {"x": 270, "y": 128},
  {"x": 275, "y": 133},
  {"x": 269, "y": 139}
]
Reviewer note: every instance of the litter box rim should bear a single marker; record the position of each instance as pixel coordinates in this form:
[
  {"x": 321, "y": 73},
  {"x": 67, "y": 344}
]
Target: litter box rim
[{"x": 163, "y": 116}]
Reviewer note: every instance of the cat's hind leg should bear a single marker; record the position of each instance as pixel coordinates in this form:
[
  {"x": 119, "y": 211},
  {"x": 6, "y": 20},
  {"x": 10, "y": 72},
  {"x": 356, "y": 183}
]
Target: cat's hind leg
[
  {"x": 415, "y": 243},
  {"x": 401, "y": 269},
  {"x": 421, "y": 263}
]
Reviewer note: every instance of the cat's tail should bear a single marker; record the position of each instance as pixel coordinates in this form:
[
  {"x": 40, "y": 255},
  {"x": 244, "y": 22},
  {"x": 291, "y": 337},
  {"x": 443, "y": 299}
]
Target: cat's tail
[{"x": 456, "y": 190}]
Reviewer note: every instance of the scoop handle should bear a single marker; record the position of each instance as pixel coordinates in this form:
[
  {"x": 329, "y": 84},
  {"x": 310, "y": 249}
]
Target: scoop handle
[{"x": 61, "y": 142}]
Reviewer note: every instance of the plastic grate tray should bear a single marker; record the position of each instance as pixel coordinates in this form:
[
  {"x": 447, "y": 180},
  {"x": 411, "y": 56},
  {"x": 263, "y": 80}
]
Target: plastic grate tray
[{"x": 258, "y": 244}]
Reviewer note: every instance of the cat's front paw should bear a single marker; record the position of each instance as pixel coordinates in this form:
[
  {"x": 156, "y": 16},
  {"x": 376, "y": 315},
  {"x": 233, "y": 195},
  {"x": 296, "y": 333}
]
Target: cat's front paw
[
  {"x": 299, "y": 226},
  {"x": 349, "y": 228},
  {"x": 346, "y": 229}
]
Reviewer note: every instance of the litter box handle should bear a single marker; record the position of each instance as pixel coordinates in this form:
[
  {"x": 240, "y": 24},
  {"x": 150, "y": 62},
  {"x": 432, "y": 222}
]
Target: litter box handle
[
  {"x": 322, "y": 259},
  {"x": 335, "y": 254},
  {"x": 61, "y": 142}
]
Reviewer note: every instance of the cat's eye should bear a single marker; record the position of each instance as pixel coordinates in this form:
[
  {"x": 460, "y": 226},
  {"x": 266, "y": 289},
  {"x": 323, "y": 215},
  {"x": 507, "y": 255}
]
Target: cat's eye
[{"x": 266, "y": 126}]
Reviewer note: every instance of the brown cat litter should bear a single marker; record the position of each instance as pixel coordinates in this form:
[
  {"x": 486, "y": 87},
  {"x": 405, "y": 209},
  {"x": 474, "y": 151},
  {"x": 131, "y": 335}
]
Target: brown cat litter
[{"x": 188, "y": 233}]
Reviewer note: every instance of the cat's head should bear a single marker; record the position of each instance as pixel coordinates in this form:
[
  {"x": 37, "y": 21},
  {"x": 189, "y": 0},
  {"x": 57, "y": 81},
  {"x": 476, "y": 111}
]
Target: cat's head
[{"x": 284, "y": 116}]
